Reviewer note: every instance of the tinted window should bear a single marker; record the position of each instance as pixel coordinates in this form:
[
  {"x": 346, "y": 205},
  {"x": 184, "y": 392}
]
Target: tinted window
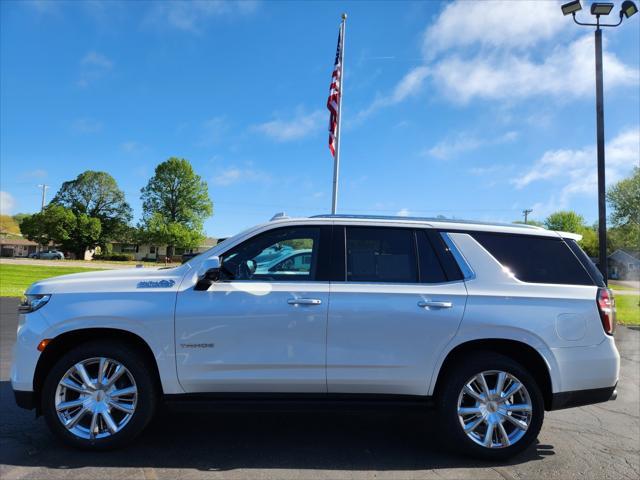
[
  {"x": 430, "y": 268},
  {"x": 586, "y": 262},
  {"x": 280, "y": 254},
  {"x": 381, "y": 255},
  {"x": 535, "y": 259}
]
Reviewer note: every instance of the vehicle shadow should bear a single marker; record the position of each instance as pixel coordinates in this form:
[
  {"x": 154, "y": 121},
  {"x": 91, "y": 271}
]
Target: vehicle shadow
[{"x": 226, "y": 441}]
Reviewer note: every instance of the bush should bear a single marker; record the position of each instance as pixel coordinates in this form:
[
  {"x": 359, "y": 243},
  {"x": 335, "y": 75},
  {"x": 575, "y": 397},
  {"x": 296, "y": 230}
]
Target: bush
[{"x": 115, "y": 257}]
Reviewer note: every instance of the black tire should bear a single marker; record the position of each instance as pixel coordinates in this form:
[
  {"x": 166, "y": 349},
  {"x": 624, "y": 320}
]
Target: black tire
[
  {"x": 147, "y": 393},
  {"x": 456, "y": 378}
]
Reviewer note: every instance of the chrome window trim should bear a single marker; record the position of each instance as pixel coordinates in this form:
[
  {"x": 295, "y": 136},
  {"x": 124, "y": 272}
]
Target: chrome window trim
[{"x": 467, "y": 272}]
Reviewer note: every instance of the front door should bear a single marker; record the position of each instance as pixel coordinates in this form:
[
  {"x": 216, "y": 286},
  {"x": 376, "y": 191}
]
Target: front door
[
  {"x": 393, "y": 314},
  {"x": 262, "y": 327}
]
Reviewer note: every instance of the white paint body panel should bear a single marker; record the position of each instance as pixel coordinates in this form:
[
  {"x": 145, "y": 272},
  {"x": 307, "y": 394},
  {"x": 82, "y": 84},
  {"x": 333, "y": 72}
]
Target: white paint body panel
[{"x": 361, "y": 338}]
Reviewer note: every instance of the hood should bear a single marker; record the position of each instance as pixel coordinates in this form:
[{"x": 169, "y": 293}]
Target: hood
[{"x": 124, "y": 280}]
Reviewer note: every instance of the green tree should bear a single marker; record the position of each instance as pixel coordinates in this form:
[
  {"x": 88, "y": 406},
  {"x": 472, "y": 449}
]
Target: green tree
[
  {"x": 18, "y": 217},
  {"x": 565, "y": 221},
  {"x": 175, "y": 204},
  {"x": 624, "y": 198},
  {"x": 96, "y": 195},
  {"x": 74, "y": 232}
]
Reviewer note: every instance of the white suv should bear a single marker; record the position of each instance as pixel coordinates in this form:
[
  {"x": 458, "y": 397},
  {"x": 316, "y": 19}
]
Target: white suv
[{"x": 492, "y": 324}]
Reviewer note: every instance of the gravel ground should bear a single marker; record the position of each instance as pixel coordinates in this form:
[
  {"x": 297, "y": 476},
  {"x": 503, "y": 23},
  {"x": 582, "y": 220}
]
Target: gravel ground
[{"x": 598, "y": 441}]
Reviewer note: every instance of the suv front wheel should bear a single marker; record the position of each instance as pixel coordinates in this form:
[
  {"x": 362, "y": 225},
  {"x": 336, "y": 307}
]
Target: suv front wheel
[
  {"x": 99, "y": 395},
  {"x": 491, "y": 407}
]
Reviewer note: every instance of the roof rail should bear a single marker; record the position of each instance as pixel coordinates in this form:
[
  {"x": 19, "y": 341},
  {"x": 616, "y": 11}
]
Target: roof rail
[
  {"x": 426, "y": 219},
  {"x": 279, "y": 216}
]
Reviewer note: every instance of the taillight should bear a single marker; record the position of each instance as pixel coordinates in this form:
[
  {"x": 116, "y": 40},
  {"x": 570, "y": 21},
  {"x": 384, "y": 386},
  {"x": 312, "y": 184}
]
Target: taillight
[{"x": 607, "y": 308}]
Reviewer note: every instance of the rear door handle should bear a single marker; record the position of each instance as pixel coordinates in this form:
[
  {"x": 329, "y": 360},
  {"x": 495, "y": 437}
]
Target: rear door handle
[
  {"x": 432, "y": 304},
  {"x": 304, "y": 301}
]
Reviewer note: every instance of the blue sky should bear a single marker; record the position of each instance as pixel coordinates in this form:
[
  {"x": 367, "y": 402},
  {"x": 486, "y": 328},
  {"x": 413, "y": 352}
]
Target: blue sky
[{"x": 469, "y": 110}]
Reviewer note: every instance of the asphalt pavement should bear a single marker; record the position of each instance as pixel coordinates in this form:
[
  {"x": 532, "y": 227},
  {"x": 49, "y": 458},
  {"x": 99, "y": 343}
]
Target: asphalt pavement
[{"x": 598, "y": 441}]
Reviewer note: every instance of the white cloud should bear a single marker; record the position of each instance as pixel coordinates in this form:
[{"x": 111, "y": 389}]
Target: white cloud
[
  {"x": 86, "y": 125},
  {"x": 575, "y": 170},
  {"x": 300, "y": 126},
  {"x": 37, "y": 173},
  {"x": 408, "y": 86},
  {"x": 7, "y": 203},
  {"x": 566, "y": 72},
  {"x": 403, "y": 212},
  {"x": 232, "y": 175},
  {"x": 466, "y": 142},
  {"x": 93, "y": 66},
  {"x": 506, "y": 24},
  {"x": 189, "y": 16}
]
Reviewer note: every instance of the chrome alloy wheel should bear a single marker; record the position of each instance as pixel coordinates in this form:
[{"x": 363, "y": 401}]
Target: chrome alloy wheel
[
  {"x": 494, "y": 409},
  {"x": 96, "y": 398}
]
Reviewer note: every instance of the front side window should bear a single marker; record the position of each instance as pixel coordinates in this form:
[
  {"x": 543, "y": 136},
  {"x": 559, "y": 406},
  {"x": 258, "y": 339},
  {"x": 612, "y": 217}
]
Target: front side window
[
  {"x": 288, "y": 254},
  {"x": 381, "y": 255}
]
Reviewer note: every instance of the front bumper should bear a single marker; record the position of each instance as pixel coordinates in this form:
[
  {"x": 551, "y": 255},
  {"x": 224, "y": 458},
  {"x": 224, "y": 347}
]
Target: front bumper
[
  {"x": 578, "y": 398},
  {"x": 25, "y": 399}
]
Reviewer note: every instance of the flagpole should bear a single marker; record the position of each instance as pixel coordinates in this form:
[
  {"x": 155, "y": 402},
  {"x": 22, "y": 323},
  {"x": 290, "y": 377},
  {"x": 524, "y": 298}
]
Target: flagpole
[{"x": 336, "y": 159}]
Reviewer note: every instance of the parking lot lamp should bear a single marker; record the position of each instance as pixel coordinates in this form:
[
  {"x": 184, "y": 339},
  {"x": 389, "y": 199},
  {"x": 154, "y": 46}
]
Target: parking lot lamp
[{"x": 599, "y": 9}]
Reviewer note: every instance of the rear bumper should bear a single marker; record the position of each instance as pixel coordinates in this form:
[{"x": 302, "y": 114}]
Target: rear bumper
[
  {"x": 578, "y": 398},
  {"x": 25, "y": 399}
]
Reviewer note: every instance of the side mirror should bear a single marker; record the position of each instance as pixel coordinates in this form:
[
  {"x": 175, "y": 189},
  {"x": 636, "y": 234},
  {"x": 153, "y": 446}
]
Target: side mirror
[{"x": 208, "y": 273}]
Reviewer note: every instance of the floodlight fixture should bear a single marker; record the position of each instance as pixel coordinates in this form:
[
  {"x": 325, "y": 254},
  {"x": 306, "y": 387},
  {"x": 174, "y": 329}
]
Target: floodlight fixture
[
  {"x": 600, "y": 8},
  {"x": 571, "y": 7},
  {"x": 628, "y": 9}
]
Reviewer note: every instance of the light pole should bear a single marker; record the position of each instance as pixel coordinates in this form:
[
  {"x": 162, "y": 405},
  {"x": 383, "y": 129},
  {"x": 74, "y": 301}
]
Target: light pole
[{"x": 599, "y": 9}]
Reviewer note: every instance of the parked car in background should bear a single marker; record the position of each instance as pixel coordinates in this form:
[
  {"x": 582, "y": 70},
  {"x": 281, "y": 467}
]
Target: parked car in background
[
  {"x": 48, "y": 255},
  {"x": 491, "y": 324}
]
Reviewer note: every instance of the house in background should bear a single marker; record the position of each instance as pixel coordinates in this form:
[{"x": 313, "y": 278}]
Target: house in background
[
  {"x": 143, "y": 251},
  {"x": 624, "y": 265},
  {"x": 16, "y": 247}
]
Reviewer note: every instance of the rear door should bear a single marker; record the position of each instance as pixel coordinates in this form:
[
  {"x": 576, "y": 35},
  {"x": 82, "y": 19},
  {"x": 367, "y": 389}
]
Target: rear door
[{"x": 397, "y": 305}]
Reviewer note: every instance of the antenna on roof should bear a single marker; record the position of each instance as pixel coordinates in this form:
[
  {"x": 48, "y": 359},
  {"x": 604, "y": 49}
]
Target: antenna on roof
[{"x": 279, "y": 216}]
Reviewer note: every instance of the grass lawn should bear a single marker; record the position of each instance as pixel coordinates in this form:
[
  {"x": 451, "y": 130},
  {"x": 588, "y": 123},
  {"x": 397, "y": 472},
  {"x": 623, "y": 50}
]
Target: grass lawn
[
  {"x": 14, "y": 279},
  {"x": 627, "y": 309},
  {"x": 616, "y": 286}
]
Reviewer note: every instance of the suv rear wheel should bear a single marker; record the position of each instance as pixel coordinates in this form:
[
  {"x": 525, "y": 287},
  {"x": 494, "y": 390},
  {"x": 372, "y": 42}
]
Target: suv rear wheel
[
  {"x": 99, "y": 395},
  {"x": 491, "y": 406}
]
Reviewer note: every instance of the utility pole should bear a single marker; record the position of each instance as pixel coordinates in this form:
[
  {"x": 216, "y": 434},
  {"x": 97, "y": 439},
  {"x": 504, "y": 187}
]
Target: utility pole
[
  {"x": 526, "y": 213},
  {"x": 44, "y": 190}
]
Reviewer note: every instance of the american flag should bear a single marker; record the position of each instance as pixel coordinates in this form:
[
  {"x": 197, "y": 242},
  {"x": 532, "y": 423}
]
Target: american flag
[{"x": 335, "y": 91}]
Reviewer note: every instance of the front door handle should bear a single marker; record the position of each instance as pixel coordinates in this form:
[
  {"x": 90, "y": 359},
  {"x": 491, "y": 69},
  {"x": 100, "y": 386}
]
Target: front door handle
[
  {"x": 432, "y": 304},
  {"x": 304, "y": 301}
]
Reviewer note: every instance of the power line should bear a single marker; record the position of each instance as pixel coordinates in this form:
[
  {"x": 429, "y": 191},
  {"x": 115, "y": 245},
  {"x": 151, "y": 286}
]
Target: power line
[{"x": 526, "y": 213}]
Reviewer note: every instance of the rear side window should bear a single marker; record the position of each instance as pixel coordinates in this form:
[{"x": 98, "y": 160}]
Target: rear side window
[
  {"x": 535, "y": 259},
  {"x": 430, "y": 268},
  {"x": 381, "y": 255}
]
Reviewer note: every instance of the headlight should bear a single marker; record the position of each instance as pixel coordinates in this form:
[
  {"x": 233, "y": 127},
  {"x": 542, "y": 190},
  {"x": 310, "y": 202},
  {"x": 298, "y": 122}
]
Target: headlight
[{"x": 31, "y": 303}]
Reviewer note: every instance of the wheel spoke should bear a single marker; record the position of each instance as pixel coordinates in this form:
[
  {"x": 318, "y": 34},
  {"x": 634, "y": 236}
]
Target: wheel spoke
[
  {"x": 469, "y": 390},
  {"x": 503, "y": 433},
  {"x": 519, "y": 407},
  {"x": 94, "y": 425},
  {"x": 111, "y": 425},
  {"x": 73, "y": 421},
  {"x": 502, "y": 376},
  {"x": 102, "y": 370},
  {"x": 518, "y": 423},
  {"x": 124, "y": 391},
  {"x": 70, "y": 404},
  {"x": 468, "y": 411},
  {"x": 123, "y": 407},
  {"x": 470, "y": 427},
  {"x": 488, "y": 436},
  {"x": 483, "y": 383},
  {"x": 71, "y": 385},
  {"x": 84, "y": 376},
  {"x": 513, "y": 389},
  {"x": 117, "y": 373}
]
